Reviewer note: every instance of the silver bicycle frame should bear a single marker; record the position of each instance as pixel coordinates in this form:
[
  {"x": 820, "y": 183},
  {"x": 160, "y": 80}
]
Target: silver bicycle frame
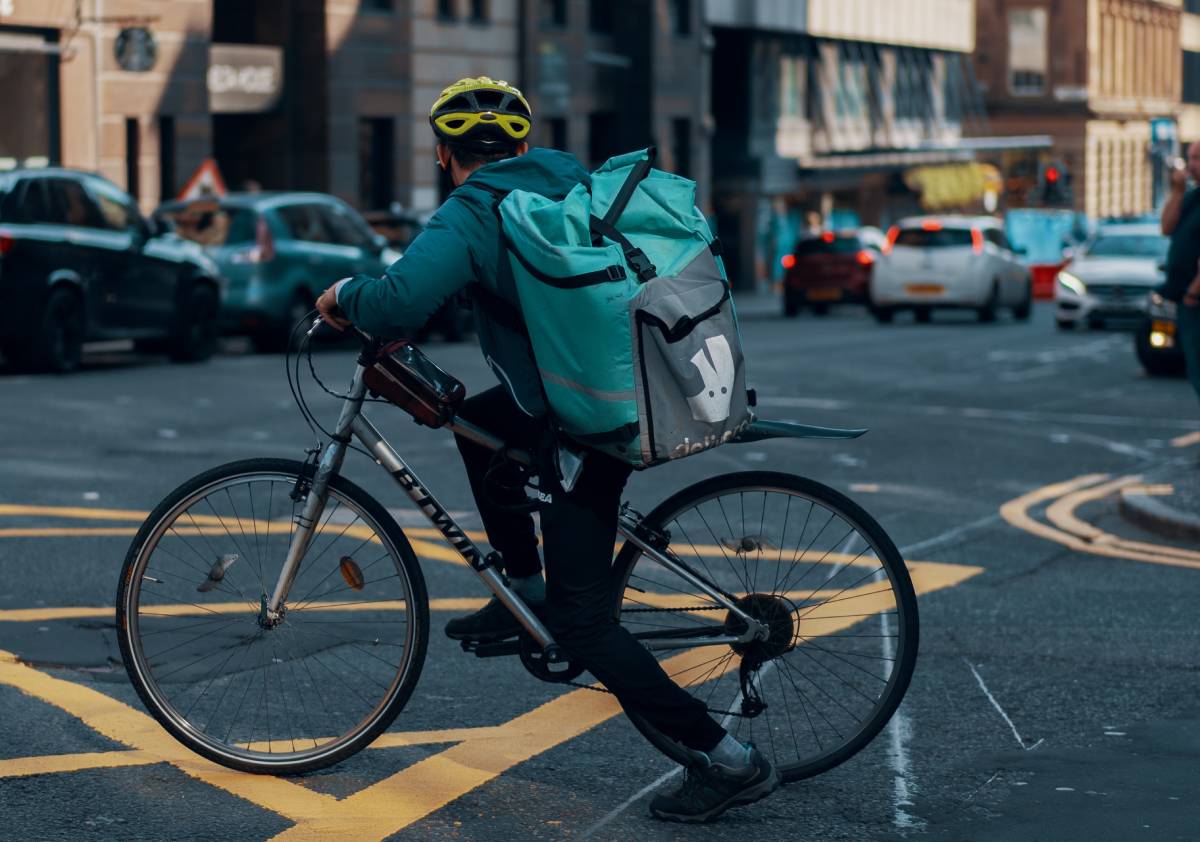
[{"x": 351, "y": 421}]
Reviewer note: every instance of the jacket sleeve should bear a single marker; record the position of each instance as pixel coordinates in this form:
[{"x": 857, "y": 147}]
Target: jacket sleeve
[{"x": 437, "y": 264}]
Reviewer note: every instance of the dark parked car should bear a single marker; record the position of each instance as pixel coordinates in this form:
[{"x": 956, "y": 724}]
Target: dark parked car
[
  {"x": 830, "y": 268},
  {"x": 1155, "y": 341},
  {"x": 278, "y": 251},
  {"x": 78, "y": 262}
]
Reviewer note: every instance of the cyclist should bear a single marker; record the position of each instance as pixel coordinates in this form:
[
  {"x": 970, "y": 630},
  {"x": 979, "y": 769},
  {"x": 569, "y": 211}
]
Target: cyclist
[{"x": 481, "y": 126}]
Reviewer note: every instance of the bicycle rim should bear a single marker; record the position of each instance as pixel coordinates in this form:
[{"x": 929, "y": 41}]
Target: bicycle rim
[
  {"x": 821, "y": 575},
  {"x": 291, "y": 697}
]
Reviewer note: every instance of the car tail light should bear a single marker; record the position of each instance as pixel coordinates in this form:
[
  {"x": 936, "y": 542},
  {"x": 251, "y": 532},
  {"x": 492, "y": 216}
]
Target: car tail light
[
  {"x": 892, "y": 235},
  {"x": 976, "y": 241},
  {"x": 931, "y": 225},
  {"x": 788, "y": 261},
  {"x": 7, "y": 241},
  {"x": 864, "y": 258},
  {"x": 827, "y": 237}
]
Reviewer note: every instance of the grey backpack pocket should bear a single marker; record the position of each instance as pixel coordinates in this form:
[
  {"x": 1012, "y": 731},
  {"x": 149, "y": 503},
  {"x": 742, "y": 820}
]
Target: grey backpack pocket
[{"x": 688, "y": 365}]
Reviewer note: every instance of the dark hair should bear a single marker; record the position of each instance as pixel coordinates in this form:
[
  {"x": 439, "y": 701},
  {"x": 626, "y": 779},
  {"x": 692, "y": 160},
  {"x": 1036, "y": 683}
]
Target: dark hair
[{"x": 468, "y": 158}]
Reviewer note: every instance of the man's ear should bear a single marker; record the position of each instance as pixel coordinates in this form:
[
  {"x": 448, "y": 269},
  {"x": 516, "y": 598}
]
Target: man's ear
[
  {"x": 522, "y": 148},
  {"x": 443, "y": 156}
]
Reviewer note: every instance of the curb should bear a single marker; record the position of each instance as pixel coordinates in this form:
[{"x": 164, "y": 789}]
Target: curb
[{"x": 1150, "y": 513}]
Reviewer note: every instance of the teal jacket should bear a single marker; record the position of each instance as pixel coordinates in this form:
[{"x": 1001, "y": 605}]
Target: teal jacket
[{"x": 462, "y": 245}]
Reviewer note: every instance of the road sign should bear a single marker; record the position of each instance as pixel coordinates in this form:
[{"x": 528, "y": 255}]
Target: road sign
[{"x": 205, "y": 181}]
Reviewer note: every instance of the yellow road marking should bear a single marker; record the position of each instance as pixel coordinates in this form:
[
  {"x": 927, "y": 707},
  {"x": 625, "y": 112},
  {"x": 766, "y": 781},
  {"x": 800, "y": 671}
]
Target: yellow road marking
[
  {"x": 1186, "y": 440},
  {"x": 478, "y": 756},
  {"x": 1016, "y": 513},
  {"x": 1062, "y": 514}
]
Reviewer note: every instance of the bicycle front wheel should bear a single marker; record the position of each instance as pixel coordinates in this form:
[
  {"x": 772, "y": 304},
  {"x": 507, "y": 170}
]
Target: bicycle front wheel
[
  {"x": 824, "y": 579},
  {"x": 271, "y": 694}
]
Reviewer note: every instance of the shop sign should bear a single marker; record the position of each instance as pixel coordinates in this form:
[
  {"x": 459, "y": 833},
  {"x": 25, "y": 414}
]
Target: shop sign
[
  {"x": 244, "y": 79},
  {"x": 135, "y": 49}
]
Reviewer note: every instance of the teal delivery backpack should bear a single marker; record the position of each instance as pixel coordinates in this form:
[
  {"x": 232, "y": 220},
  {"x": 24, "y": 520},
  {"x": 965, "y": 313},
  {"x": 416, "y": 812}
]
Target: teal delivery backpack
[{"x": 628, "y": 310}]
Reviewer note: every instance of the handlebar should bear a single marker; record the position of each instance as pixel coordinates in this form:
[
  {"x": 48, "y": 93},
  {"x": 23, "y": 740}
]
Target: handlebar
[{"x": 370, "y": 345}]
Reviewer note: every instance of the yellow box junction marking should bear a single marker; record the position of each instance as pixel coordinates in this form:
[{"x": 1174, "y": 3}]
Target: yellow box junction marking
[
  {"x": 1064, "y": 498},
  {"x": 478, "y": 755}
]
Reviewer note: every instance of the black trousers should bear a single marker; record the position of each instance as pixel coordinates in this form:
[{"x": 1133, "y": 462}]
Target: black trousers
[{"x": 578, "y": 530}]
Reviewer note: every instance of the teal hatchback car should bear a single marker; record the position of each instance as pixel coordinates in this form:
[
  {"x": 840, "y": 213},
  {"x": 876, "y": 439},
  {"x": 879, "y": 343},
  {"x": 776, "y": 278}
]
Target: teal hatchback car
[{"x": 277, "y": 252}]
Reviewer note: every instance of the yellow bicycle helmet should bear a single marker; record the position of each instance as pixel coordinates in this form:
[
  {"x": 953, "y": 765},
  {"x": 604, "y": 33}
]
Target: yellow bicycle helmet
[{"x": 481, "y": 114}]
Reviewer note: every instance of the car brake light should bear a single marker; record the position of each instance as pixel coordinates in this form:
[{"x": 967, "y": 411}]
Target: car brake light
[
  {"x": 864, "y": 258},
  {"x": 892, "y": 235},
  {"x": 931, "y": 225},
  {"x": 263, "y": 241},
  {"x": 827, "y": 237},
  {"x": 7, "y": 241},
  {"x": 788, "y": 261},
  {"x": 976, "y": 241}
]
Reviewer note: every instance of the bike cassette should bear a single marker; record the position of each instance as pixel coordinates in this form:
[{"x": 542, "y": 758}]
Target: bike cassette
[{"x": 552, "y": 664}]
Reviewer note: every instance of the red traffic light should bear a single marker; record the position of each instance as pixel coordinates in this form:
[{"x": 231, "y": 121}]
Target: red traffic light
[{"x": 1051, "y": 175}]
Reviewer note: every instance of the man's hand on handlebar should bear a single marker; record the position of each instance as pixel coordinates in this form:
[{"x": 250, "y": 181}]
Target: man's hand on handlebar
[{"x": 330, "y": 312}]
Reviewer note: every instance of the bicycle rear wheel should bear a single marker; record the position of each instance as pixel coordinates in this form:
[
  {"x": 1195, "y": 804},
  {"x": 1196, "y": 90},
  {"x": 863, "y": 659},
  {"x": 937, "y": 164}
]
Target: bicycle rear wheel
[
  {"x": 820, "y": 573},
  {"x": 244, "y": 690}
]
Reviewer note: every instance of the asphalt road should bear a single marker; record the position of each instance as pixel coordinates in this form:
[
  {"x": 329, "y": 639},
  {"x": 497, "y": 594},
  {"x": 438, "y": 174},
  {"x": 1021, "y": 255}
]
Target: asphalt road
[{"x": 1055, "y": 696}]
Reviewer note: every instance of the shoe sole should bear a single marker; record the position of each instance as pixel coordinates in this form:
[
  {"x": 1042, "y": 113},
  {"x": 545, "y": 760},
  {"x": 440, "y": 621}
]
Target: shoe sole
[
  {"x": 756, "y": 793},
  {"x": 485, "y": 638}
]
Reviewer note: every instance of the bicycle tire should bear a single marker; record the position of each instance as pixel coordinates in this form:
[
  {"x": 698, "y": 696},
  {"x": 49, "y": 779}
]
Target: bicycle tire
[
  {"x": 418, "y": 633},
  {"x": 891, "y": 561}
]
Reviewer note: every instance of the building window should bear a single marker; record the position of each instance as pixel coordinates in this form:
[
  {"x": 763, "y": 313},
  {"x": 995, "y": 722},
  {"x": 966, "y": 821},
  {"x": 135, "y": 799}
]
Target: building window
[
  {"x": 681, "y": 146},
  {"x": 558, "y": 133},
  {"x": 554, "y": 12},
  {"x": 1191, "y": 76},
  {"x": 479, "y": 11},
  {"x": 166, "y": 157},
  {"x": 850, "y": 97},
  {"x": 602, "y": 137},
  {"x": 133, "y": 154},
  {"x": 377, "y": 5},
  {"x": 681, "y": 11},
  {"x": 600, "y": 16},
  {"x": 1192, "y": 6},
  {"x": 1027, "y": 52},
  {"x": 914, "y": 69},
  {"x": 376, "y": 174},
  {"x": 446, "y": 11}
]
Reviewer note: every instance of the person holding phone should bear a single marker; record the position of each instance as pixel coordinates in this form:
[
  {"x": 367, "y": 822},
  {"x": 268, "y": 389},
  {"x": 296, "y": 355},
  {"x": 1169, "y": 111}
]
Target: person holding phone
[{"x": 1181, "y": 222}]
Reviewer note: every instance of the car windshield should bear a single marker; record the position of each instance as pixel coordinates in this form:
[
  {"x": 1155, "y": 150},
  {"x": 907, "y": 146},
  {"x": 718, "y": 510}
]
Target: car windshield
[
  {"x": 210, "y": 224},
  {"x": 1129, "y": 245},
  {"x": 823, "y": 245},
  {"x": 936, "y": 238}
]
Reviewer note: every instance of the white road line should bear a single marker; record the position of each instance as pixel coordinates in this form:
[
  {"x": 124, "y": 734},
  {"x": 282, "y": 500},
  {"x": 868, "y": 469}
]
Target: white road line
[
  {"x": 629, "y": 802},
  {"x": 899, "y": 733},
  {"x": 1000, "y": 710}
]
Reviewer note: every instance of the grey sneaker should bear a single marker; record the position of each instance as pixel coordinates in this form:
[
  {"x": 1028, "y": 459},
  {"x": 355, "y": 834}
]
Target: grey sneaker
[
  {"x": 491, "y": 622},
  {"x": 709, "y": 790}
]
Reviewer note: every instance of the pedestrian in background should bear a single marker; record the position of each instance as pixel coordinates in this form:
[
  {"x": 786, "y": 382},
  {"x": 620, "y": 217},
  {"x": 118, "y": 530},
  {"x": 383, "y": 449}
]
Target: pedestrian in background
[{"x": 1181, "y": 222}]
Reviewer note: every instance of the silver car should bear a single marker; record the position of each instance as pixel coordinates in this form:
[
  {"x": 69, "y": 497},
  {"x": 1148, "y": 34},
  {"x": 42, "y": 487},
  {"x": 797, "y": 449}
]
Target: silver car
[{"x": 1111, "y": 276}]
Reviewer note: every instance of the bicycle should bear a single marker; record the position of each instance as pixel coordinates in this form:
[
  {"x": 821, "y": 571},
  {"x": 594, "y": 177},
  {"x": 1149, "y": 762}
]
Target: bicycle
[{"x": 256, "y": 647}]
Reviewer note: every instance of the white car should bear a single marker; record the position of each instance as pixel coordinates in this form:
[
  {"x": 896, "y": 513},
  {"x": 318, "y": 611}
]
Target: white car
[
  {"x": 962, "y": 262},
  {"x": 1111, "y": 276}
]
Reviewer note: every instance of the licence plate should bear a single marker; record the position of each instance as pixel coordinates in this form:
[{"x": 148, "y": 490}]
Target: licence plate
[
  {"x": 824, "y": 294},
  {"x": 925, "y": 289}
]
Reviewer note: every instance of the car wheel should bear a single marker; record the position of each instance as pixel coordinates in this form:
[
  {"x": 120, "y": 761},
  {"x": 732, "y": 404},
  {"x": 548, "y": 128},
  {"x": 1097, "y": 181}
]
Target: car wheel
[
  {"x": 791, "y": 306},
  {"x": 1066, "y": 324},
  {"x": 275, "y": 337},
  {"x": 987, "y": 313},
  {"x": 1024, "y": 310},
  {"x": 820, "y": 309},
  {"x": 58, "y": 344},
  {"x": 924, "y": 315},
  {"x": 196, "y": 330},
  {"x": 883, "y": 315}
]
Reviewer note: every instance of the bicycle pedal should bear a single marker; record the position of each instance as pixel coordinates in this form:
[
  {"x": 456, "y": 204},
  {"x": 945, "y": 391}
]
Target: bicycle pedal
[{"x": 492, "y": 648}]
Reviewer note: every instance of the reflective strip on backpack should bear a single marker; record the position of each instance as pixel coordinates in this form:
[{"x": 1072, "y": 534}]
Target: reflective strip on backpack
[{"x": 598, "y": 394}]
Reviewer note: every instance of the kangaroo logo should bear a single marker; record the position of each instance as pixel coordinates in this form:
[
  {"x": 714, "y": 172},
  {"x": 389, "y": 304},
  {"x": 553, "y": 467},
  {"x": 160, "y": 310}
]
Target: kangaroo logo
[{"x": 712, "y": 404}]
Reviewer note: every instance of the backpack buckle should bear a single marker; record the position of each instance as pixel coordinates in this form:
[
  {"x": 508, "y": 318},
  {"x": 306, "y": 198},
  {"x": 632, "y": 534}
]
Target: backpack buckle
[
  {"x": 641, "y": 264},
  {"x": 616, "y": 273}
]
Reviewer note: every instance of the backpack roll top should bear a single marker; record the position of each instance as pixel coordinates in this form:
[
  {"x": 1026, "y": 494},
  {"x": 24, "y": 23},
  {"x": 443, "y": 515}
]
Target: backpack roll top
[{"x": 628, "y": 313}]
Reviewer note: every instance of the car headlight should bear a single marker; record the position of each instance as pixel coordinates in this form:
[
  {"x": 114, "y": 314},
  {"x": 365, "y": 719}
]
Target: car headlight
[{"x": 1072, "y": 284}]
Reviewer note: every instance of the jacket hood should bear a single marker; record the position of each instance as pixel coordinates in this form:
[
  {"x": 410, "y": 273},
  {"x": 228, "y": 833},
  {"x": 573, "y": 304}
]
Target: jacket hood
[{"x": 546, "y": 171}]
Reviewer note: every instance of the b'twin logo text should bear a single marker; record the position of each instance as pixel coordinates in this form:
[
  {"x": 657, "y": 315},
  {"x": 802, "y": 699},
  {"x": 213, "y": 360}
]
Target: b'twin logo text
[{"x": 712, "y": 404}]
